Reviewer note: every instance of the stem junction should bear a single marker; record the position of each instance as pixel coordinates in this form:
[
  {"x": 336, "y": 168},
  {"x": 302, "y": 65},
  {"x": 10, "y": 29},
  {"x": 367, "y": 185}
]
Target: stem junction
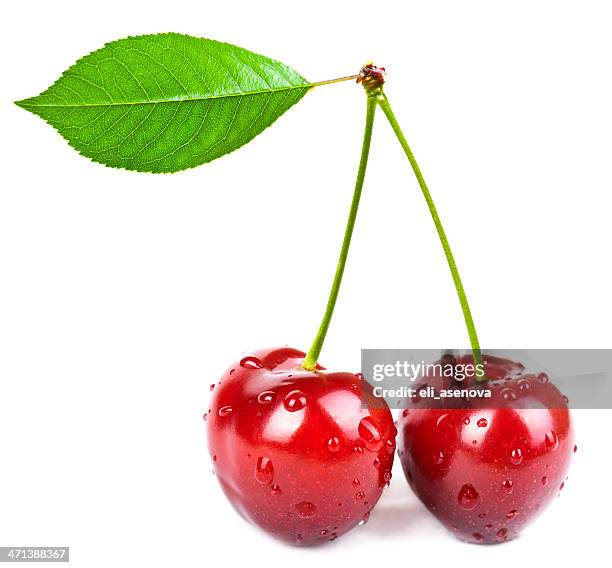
[{"x": 372, "y": 79}]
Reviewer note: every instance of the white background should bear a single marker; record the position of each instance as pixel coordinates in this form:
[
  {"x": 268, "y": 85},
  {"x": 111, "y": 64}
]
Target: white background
[{"x": 123, "y": 295}]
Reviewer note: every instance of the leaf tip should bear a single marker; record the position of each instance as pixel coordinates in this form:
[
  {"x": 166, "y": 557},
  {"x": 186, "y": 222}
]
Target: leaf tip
[{"x": 24, "y": 104}]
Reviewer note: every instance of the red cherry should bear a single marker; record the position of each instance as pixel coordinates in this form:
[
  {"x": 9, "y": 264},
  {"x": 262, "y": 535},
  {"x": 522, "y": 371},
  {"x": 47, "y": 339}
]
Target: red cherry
[
  {"x": 487, "y": 467},
  {"x": 304, "y": 455}
]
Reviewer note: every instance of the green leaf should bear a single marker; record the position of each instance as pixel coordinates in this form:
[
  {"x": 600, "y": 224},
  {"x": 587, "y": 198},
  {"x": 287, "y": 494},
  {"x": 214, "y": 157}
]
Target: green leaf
[{"x": 166, "y": 102}]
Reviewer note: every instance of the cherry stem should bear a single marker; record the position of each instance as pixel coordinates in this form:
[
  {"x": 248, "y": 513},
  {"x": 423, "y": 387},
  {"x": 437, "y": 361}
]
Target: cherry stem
[
  {"x": 332, "y": 81},
  {"x": 450, "y": 259},
  {"x": 310, "y": 362}
]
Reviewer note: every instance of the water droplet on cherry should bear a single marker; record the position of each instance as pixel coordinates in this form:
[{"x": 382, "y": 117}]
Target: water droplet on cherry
[
  {"x": 333, "y": 444},
  {"x": 516, "y": 456},
  {"x": 251, "y": 363},
  {"x": 266, "y": 397},
  {"x": 225, "y": 410},
  {"x": 511, "y": 514},
  {"x": 482, "y": 423},
  {"x": 508, "y": 394},
  {"x": 524, "y": 385},
  {"x": 306, "y": 509},
  {"x": 264, "y": 471},
  {"x": 468, "y": 497},
  {"x": 501, "y": 533},
  {"x": 552, "y": 441},
  {"x": 295, "y": 400},
  {"x": 275, "y": 490},
  {"x": 508, "y": 486},
  {"x": 439, "y": 457},
  {"x": 441, "y": 420},
  {"x": 359, "y": 495},
  {"x": 478, "y": 537},
  {"x": 369, "y": 432}
]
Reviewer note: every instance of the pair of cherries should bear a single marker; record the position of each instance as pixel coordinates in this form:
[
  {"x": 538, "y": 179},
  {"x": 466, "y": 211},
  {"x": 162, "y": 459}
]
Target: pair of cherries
[{"x": 306, "y": 455}]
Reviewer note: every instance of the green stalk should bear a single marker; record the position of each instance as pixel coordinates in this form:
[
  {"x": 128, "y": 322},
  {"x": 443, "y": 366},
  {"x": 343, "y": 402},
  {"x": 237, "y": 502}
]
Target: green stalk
[
  {"x": 310, "y": 362},
  {"x": 332, "y": 81},
  {"x": 450, "y": 259}
]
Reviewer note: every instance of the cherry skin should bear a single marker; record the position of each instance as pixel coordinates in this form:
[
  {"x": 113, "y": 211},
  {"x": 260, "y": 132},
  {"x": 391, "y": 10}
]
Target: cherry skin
[
  {"x": 304, "y": 455},
  {"x": 487, "y": 469}
]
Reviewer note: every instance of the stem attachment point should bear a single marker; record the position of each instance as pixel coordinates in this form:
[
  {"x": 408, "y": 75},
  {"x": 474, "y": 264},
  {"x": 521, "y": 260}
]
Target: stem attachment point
[{"x": 372, "y": 78}]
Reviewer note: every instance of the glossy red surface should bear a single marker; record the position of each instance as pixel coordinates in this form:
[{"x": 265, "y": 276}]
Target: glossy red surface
[
  {"x": 295, "y": 451},
  {"x": 485, "y": 473}
]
